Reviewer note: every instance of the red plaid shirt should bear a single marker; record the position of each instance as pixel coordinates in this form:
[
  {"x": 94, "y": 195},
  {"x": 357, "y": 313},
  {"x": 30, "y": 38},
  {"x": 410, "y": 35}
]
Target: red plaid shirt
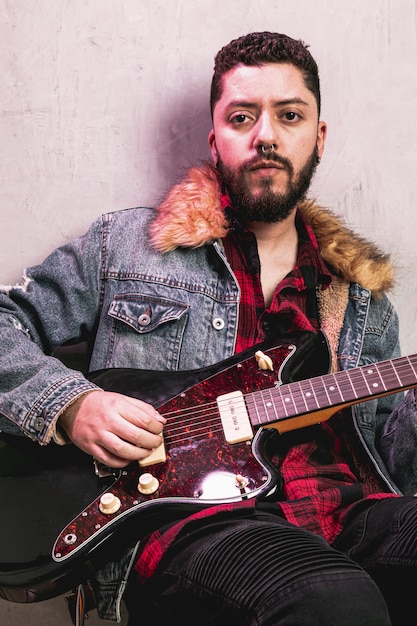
[
  {"x": 319, "y": 484},
  {"x": 287, "y": 311}
]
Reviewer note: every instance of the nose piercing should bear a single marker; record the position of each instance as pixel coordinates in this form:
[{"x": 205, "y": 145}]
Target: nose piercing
[{"x": 267, "y": 149}]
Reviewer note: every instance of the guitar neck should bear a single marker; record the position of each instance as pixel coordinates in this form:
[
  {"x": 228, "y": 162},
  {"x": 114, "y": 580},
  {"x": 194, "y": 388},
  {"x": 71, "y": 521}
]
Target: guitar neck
[{"x": 299, "y": 404}]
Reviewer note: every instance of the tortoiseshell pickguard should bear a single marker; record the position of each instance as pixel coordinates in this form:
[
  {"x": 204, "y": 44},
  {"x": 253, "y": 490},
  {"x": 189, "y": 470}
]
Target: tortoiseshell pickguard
[{"x": 200, "y": 468}]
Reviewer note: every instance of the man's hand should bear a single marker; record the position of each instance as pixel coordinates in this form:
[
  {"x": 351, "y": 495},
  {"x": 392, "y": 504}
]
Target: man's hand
[{"x": 113, "y": 428}]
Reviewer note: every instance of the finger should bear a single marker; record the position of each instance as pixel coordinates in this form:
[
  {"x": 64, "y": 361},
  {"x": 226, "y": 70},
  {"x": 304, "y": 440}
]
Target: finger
[
  {"x": 145, "y": 408},
  {"x": 138, "y": 437},
  {"x": 111, "y": 460},
  {"x": 141, "y": 417},
  {"x": 126, "y": 451}
]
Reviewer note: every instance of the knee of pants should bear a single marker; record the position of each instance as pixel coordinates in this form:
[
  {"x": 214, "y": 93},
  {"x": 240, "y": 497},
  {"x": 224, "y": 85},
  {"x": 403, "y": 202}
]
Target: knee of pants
[
  {"x": 265, "y": 574},
  {"x": 346, "y": 597}
]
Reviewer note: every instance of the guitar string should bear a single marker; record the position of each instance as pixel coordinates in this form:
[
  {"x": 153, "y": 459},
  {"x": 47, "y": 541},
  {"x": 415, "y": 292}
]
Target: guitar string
[
  {"x": 301, "y": 390},
  {"x": 296, "y": 394}
]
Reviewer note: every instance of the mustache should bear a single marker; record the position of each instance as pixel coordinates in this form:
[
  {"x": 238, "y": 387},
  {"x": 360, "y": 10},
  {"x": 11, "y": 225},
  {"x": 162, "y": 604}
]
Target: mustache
[{"x": 271, "y": 157}]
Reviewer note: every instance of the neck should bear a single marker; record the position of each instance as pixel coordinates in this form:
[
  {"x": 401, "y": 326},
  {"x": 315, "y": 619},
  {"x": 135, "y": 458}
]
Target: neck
[{"x": 275, "y": 234}]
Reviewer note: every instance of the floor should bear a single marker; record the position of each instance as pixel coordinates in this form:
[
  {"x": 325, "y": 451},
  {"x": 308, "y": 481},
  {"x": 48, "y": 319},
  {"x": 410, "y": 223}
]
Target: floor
[{"x": 49, "y": 613}]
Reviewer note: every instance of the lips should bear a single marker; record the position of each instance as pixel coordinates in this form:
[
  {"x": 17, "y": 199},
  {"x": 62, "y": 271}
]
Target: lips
[
  {"x": 265, "y": 165},
  {"x": 266, "y": 170}
]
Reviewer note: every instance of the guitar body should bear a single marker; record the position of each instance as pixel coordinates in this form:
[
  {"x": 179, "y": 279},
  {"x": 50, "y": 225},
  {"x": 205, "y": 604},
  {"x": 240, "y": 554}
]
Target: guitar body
[{"x": 51, "y": 520}]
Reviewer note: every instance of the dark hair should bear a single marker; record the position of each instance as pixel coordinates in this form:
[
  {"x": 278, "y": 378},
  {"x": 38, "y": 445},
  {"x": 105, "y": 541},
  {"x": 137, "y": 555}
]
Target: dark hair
[{"x": 261, "y": 48}]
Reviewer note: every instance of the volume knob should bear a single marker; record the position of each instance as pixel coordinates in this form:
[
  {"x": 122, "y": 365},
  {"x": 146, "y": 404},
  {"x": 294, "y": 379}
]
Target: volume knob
[
  {"x": 109, "y": 503},
  {"x": 147, "y": 483}
]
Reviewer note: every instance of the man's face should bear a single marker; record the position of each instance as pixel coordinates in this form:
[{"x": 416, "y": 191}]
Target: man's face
[{"x": 266, "y": 105}]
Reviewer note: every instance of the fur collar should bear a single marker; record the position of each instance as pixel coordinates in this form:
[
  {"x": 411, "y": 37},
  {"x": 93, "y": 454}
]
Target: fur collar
[{"x": 191, "y": 216}]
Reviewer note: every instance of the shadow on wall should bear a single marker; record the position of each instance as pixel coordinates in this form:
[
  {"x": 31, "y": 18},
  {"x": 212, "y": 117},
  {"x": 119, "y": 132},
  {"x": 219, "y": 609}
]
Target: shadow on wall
[{"x": 181, "y": 139}]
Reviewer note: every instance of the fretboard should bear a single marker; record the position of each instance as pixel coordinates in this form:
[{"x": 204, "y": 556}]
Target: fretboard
[{"x": 342, "y": 388}]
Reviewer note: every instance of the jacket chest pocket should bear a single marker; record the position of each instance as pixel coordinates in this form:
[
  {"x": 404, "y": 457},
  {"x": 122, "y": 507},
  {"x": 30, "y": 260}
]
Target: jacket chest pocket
[{"x": 146, "y": 332}]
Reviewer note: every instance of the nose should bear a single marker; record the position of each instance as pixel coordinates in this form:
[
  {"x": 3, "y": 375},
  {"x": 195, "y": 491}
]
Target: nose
[
  {"x": 266, "y": 139},
  {"x": 266, "y": 150}
]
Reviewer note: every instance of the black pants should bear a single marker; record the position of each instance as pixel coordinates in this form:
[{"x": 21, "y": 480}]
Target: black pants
[{"x": 260, "y": 570}]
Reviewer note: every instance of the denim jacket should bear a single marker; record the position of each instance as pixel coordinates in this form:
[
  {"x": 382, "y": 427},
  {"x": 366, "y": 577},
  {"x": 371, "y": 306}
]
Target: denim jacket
[{"x": 153, "y": 289}]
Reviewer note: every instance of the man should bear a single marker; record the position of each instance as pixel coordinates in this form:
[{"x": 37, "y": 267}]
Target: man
[{"x": 234, "y": 256}]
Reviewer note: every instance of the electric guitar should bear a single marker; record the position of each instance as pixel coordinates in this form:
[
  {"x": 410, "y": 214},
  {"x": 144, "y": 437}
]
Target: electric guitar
[{"x": 60, "y": 511}]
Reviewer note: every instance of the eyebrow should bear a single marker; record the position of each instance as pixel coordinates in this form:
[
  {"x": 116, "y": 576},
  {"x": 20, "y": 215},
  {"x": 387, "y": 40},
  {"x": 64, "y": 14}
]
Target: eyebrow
[{"x": 251, "y": 104}]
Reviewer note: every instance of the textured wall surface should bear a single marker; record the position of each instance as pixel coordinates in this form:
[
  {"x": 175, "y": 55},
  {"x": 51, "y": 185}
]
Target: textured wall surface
[{"x": 105, "y": 102}]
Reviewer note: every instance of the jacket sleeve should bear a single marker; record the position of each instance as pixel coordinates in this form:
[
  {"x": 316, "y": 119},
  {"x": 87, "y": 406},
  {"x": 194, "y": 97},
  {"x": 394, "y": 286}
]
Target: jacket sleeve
[
  {"x": 389, "y": 424},
  {"x": 57, "y": 303},
  {"x": 399, "y": 444}
]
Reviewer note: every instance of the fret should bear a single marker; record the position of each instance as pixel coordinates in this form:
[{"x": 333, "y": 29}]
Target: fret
[
  {"x": 344, "y": 383},
  {"x": 297, "y": 404},
  {"x": 366, "y": 381},
  {"x": 263, "y": 408},
  {"x": 279, "y": 397},
  {"x": 406, "y": 370},
  {"x": 288, "y": 400},
  {"x": 389, "y": 375},
  {"x": 272, "y": 409},
  {"x": 253, "y": 400},
  {"x": 334, "y": 389},
  {"x": 320, "y": 390},
  {"x": 309, "y": 393}
]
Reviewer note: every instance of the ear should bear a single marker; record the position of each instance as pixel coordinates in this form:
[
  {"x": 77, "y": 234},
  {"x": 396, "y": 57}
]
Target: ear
[
  {"x": 213, "y": 148},
  {"x": 321, "y": 137}
]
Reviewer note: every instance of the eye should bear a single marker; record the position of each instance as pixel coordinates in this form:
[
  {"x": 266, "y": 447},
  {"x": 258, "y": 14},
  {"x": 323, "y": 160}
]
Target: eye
[
  {"x": 239, "y": 118},
  {"x": 291, "y": 116}
]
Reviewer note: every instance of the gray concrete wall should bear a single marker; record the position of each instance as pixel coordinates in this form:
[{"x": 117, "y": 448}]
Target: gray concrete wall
[{"x": 105, "y": 102}]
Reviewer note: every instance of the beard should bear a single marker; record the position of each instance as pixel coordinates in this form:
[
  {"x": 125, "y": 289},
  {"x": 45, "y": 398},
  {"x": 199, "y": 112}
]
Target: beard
[{"x": 267, "y": 206}]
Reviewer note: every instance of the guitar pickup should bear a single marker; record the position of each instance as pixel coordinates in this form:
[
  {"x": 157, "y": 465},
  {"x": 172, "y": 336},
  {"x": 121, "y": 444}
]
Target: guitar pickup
[{"x": 235, "y": 418}]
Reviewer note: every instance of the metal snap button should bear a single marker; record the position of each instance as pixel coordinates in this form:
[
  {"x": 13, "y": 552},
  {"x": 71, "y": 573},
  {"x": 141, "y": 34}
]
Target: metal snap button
[
  {"x": 218, "y": 323},
  {"x": 144, "y": 320},
  {"x": 39, "y": 423}
]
